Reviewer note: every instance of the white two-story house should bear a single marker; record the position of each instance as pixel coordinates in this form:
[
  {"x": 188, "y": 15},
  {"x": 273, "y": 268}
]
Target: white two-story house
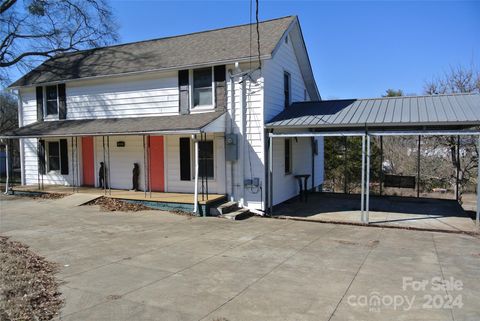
[{"x": 189, "y": 110}]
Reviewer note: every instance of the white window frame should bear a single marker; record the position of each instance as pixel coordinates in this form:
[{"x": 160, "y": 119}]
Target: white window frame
[
  {"x": 47, "y": 156},
  {"x": 191, "y": 89},
  {"x": 52, "y": 116}
]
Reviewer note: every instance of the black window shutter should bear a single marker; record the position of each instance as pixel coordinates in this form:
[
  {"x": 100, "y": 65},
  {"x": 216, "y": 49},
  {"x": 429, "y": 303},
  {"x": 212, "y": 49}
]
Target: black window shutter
[
  {"x": 219, "y": 75},
  {"x": 185, "y": 174},
  {"x": 62, "y": 99},
  {"x": 41, "y": 157},
  {"x": 63, "y": 157},
  {"x": 183, "y": 92},
  {"x": 39, "y": 103}
]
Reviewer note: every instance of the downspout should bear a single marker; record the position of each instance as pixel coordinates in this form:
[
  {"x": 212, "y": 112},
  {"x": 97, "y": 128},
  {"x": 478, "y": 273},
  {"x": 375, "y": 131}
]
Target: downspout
[
  {"x": 230, "y": 130},
  {"x": 244, "y": 139}
]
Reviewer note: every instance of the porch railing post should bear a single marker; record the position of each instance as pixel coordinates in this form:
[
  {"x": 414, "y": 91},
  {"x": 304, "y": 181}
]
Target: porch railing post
[
  {"x": 195, "y": 197},
  {"x": 73, "y": 165}
]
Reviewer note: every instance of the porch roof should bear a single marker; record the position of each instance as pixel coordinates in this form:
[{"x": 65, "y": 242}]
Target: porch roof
[{"x": 176, "y": 124}]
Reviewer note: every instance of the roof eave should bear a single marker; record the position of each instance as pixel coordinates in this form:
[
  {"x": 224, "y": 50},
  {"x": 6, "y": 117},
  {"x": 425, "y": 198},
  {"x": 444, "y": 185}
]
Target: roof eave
[{"x": 210, "y": 63}]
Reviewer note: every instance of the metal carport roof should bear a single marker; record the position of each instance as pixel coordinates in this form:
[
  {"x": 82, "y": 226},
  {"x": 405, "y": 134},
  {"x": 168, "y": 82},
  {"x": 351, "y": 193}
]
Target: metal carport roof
[{"x": 421, "y": 112}]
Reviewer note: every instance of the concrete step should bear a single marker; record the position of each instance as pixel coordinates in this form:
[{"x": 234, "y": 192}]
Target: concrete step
[
  {"x": 76, "y": 199},
  {"x": 224, "y": 208},
  {"x": 239, "y": 214}
]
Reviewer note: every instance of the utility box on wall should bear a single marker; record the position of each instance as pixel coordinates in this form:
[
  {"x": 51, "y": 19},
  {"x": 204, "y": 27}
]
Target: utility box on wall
[{"x": 231, "y": 148}]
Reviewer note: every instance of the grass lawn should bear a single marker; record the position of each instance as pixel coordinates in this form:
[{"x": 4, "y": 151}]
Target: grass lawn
[{"x": 28, "y": 289}]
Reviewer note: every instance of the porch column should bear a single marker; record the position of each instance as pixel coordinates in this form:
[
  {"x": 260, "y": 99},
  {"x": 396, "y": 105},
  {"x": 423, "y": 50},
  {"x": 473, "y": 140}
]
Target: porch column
[
  {"x": 144, "y": 168},
  {"x": 270, "y": 176},
  {"x": 104, "y": 167},
  {"x": 363, "y": 181},
  {"x": 108, "y": 168},
  {"x": 73, "y": 165},
  {"x": 7, "y": 165},
  {"x": 195, "y": 195}
]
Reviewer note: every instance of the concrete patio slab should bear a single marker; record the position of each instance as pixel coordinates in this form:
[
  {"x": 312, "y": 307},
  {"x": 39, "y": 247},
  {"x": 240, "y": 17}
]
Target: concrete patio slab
[{"x": 391, "y": 211}]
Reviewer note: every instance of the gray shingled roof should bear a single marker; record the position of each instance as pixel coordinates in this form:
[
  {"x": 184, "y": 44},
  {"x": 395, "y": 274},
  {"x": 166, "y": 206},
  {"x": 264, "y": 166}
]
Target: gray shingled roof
[
  {"x": 417, "y": 111},
  {"x": 118, "y": 126},
  {"x": 208, "y": 47}
]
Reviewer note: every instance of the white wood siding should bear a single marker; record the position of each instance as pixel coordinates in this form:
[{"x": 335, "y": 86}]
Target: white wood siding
[
  {"x": 121, "y": 160},
  {"x": 51, "y": 177},
  {"x": 284, "y": 60},
  {"x": 286, "y": 186},
  {"x": 128, "y": 96},
  {"x": 250, "y": 138},
  {"x": 172, "y": 166}
]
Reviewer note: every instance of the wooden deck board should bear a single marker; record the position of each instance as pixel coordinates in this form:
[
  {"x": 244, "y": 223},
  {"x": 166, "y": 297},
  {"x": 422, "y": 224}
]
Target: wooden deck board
[{"x": 183, "y": 198}]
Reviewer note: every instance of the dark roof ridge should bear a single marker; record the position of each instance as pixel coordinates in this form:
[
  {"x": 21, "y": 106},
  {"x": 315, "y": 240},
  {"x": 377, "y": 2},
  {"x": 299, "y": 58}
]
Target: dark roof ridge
[{"x": 168, "y": 37}]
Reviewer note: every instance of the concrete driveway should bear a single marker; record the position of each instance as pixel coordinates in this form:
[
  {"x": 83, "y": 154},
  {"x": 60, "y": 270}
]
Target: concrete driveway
[{"x": 159, "y": 266}]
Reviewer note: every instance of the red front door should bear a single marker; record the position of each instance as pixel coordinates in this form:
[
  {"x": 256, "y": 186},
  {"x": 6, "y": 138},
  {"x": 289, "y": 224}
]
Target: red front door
[
  {"x": 88, "y": 161},
  {"x": 157, "y": 174}
]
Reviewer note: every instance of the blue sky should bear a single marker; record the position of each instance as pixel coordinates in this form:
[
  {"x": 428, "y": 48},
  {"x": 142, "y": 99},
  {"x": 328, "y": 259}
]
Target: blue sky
[{"x": 357, "y": 49}]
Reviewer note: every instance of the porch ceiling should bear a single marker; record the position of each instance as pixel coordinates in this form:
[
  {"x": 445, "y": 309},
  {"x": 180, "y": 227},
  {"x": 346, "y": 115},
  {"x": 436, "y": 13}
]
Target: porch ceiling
[{"x": 176, "y": 124}]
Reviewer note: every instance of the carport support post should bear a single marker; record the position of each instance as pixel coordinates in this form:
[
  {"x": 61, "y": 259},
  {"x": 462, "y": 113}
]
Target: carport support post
[
  {"x": 477, "y": 220},
  {"x": 418, "y": 165},
  {"x": 367, "y": 185},
  {"x": 363, "y": 180}
]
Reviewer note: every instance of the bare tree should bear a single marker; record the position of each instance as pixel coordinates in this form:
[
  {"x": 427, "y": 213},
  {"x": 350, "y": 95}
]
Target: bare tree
[
  {"x": 8, "y": 112},
  {"x": 34, "y": 30},
  {"x": 458, "y": 79}
]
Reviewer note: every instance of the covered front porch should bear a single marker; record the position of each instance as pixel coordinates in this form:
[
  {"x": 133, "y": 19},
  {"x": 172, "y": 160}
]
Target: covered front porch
[
  {"x": 157, "y": 200},
  {"x": 170, "y": 162}
]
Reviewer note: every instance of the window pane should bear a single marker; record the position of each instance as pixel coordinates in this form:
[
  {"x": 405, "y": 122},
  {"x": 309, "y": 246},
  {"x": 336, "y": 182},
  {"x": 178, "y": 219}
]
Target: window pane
[
  {"x": 286, "y": 88},
  {"x": 51, "y": 92},
  {"x": 202, "y": 97},
  {"x": 53, "y": 156},
  {"x": 287, "y": 156},
  {"x": 52, "y": 107},
  {"x": 202, "y": 78},
  {"x": 52, "y": 103},
  {"x": 205, "y": 163},
  {"x": 202, "y": 87}
]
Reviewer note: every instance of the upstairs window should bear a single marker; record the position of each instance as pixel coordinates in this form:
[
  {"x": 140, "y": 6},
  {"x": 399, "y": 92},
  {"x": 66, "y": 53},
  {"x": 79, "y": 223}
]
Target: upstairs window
[
  {"x": 51, "y": 99},
  {"x": 202, "y": 87},
  {"x": 286, "y": 89}
]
